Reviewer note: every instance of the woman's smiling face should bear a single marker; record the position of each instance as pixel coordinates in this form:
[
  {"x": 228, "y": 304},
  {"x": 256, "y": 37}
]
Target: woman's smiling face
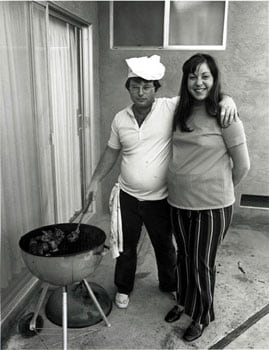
[{"x": 200, "y": 82}]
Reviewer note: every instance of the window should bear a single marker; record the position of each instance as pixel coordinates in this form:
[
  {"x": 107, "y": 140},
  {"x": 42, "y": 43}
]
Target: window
[
  {"x": 180, "y": 25},
  {"x": 132, "y": 26}
]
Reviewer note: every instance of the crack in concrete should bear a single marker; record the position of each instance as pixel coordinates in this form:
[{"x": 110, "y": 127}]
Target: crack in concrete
[{"x": 221, "y": 344}]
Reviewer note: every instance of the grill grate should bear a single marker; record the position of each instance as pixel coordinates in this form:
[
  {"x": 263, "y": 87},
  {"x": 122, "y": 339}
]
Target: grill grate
[{"x": 90, "y": 237}]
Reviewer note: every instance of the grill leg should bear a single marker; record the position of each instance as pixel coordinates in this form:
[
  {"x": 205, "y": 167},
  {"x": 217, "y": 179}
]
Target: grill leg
[
  {"x": 96, "y": 303},
  {"x": 32, "y": 325},
  {"x": 64, "y": 318}
]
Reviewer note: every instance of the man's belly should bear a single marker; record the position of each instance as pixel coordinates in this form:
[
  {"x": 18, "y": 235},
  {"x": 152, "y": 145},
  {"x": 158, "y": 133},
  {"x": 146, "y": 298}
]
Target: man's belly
[{"x": 145, "y": 180}]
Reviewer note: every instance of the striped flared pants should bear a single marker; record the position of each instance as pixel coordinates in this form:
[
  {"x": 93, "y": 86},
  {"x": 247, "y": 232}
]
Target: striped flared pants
[{"x": 198, "y": 235}]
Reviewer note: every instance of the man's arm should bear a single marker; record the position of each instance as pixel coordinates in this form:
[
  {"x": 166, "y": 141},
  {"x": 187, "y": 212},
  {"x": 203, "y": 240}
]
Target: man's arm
[
  {"x": 106, "y": 163},
  {"x": 228, "y": 110}
]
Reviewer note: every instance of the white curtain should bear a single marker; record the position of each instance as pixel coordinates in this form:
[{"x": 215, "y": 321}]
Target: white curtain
[
  {"x": 42, "y": 112},
  {"x": 64, "y": 76},
  {"x": 20, "y": 197},
  {"x": 39, "y": 98}
]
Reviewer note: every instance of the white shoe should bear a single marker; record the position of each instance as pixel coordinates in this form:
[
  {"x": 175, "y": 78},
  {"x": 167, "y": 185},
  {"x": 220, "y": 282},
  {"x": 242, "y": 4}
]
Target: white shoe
[{"x": 122, "y": 300}]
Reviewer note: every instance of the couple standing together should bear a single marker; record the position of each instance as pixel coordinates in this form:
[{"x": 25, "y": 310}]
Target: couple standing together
[{"x": 180, "y": 160}]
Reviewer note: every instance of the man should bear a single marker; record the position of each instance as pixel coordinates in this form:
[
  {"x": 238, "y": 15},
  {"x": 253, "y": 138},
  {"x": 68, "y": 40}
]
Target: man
[{"x": 142, "y": 131}]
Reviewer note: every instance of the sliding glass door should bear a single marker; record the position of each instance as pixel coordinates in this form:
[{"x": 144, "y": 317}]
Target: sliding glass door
[
  {"x": 57, "y": 67},
  {"x": 21, "y": 205},
  {"x": 42, "y": 127}
]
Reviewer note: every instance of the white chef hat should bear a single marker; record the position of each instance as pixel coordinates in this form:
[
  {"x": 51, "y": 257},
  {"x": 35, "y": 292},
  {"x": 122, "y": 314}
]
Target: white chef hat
[{"x": 148, "y": 68}]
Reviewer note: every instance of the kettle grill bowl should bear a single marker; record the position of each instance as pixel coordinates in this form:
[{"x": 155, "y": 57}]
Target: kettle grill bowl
[{"x": 73, "y": 263}]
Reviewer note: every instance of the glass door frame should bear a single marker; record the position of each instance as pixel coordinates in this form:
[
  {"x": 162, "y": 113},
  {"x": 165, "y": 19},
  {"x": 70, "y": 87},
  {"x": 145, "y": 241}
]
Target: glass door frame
[{"x": 85, "y": 115}]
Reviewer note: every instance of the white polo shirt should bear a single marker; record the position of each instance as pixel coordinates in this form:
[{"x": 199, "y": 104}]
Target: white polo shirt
[{"x": 146, "y": 151}]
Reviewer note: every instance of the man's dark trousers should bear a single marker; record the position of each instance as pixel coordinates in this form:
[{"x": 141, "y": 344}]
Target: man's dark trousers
[{"x": 156, "y": 217}]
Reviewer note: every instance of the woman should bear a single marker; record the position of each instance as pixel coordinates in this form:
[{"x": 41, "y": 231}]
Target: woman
[{"x": 208, "y": 161}]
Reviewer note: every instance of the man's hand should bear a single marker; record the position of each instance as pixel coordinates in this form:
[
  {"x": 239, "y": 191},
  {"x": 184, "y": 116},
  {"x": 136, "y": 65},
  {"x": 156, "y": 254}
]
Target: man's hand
[
  {"x": 105, "y": 164},
  {"x": 89, "y": 201},
  {"x": 228, "y": 111},
  {"x": 92, "y": 191}
]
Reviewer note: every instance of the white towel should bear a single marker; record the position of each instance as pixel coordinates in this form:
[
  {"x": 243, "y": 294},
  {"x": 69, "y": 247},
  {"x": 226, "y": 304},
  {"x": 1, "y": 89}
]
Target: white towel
[{"x": 116, "y": 239}]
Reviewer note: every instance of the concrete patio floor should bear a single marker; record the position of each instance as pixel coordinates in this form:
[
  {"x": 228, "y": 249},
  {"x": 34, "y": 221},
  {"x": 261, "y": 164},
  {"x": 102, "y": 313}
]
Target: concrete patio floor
[{"x": 241, "y": 303}]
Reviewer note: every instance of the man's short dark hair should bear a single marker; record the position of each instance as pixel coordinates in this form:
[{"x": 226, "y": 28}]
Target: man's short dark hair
[{"x": 156, "y": 83}]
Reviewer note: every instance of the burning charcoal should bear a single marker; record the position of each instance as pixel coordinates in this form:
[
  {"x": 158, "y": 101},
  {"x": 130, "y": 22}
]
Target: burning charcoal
[
  {"x": 40, "y": 250},
  {"x": 72, "y": 237},
  {"x": 46, "y": 247},
  {"x": 59, "y": 234},
  {"x": 53, "y": 246},
  {"x": 46, "y": 236},
  {"x": 58, "y": 241},
  {"x": 33, "y": 246},
  {"x": 32, "y": 241}
]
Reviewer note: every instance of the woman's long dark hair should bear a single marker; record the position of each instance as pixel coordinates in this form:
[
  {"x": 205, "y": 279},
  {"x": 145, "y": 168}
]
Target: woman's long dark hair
[{"x": 183, "y": 109}]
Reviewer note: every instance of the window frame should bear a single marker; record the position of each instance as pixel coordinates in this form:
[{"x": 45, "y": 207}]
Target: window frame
[{"x": 166, "y": 22}]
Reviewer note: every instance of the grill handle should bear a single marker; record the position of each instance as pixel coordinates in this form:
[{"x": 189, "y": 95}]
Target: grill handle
[
  {"x": 85, "y": 209},
  {"x": 104, "y": 252}
]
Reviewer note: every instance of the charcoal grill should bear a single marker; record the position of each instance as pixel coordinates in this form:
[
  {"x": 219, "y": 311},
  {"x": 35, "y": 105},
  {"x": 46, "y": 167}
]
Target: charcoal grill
[{"x": 72, "y": 263}]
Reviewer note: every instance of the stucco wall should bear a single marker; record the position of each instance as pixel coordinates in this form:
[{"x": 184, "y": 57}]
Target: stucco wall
[{"x": 244, "y": 67}]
